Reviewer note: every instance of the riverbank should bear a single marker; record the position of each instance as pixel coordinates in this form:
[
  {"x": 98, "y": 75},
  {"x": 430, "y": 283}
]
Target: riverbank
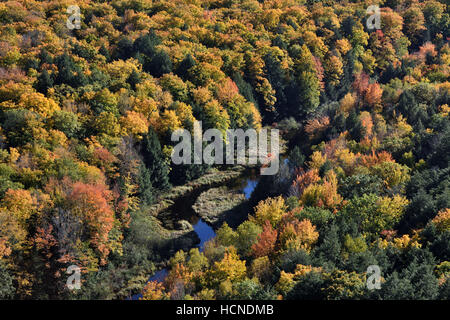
[
  {"x": 194, "y": 211},
  {"x": 219, "y": 205},
  {"x": 212, "y": 179},
  {"x": 178, "y": 223}
]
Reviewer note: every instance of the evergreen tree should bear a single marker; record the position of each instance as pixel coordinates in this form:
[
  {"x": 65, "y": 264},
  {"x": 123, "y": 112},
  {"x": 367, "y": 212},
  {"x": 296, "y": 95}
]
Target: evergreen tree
[
  {"x": 330, "y": 249},
  {"x": 296, "y": 158},
  {"x": 146, "y": 191},
  {"x": 124, "y": 49},
  {"x": 68, "y": 72},
  {"x": 417, "y": 282},
  {"x": 245, "y": 88},
  {"x": 182, "y": 173},
  {"x": 104, "y": 52},
  {"x": 133, "y": 79},
  {"x": 146, "y": 44},
  {"x": 6, "y": 283},
  {"x": 354, "y": 126},
  {"x": 184, "y": 66},
  {"x": 276, "y": 77},
  {"x": 44, "y": 82},
  {"x": 310, "y": 287},
  {"x": 159, "y": 64},
  {"x": 45, "y": 57},
  {"x": 154, "y": 161},
  {"x": 303, "y": 93}
]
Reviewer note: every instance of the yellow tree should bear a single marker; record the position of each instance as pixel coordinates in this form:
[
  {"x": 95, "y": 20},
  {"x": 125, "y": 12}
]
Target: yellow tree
[
  {"x": 230, "y": 268},
  {"x": 270, "y": 210},
  {"x": 299, "y": 235}
]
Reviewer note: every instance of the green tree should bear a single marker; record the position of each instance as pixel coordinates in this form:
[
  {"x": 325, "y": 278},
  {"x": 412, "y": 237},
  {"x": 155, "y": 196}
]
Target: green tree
[
  {"x": 68, "y": 72},
  {"x": 134, "y": 79},
  {"x": 308, "y": 86},
  {"x": 43, "y": 82},
  {"x": 154, "y": 161},
  {"x": 145, "y": 186},
  {"x": 158, "y": 64},
  {"x": 184, "y": 66},
  {"x": 6, "y": 283}
]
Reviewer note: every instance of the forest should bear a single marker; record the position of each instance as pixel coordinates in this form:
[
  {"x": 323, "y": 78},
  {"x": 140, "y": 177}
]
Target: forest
[{"x": 86, "y": 118}]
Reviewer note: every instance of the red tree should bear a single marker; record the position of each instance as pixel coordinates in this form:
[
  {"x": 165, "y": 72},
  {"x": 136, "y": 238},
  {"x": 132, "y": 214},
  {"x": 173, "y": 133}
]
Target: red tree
[{"x": 266, "y": 241}]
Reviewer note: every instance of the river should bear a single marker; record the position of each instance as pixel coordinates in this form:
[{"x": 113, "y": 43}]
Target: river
[{"x": 204, "y": 231}]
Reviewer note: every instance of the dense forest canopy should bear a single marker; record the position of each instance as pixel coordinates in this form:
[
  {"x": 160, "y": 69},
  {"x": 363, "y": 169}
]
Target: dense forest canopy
[{"x": 86, "y": 116}]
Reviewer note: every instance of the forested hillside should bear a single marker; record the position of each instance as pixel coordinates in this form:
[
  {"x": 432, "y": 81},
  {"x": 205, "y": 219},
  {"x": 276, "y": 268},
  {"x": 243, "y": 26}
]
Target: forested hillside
[{"x": 86, "y": 117}]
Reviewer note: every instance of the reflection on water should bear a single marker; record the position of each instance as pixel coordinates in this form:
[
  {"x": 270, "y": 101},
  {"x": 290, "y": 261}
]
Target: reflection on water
[
  {"x": 159, "y": 276},
  {"x": 248, "y": 189},
  {"x": 203, "y": 230}
]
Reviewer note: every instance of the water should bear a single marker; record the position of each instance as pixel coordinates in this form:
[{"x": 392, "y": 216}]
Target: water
[
  {"x": 203, "y": 230},
  {"x": 248, "y": 189}
]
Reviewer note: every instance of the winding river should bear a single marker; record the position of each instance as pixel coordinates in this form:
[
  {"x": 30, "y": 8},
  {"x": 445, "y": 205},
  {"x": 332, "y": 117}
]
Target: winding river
[{"x": 204, "y": 231}]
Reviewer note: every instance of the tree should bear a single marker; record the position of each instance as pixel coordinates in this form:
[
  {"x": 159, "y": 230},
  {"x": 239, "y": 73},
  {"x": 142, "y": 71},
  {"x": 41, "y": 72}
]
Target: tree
[
  {"x": 373, "y": 95},
  {"x": 134, "y": 123},
  {"x": 104, "y": 52},
  {"x": 145, "y": 192},
  {"x": 12, "y": 234},
  {"x": 276, "y": 77},
  {"x": 230, "y": 268},
  {"x": 154, "y": 291},
  {"x": 134, "y": 79},
  {"x": 414, "y": 24},
  {"x": 309, "y": 287},
  {"x": 247, "y": 234},
  {"x": 433, "y": 13},
  {"x": 344, "y": 285},
  {"x": 359, "y": 184},
  {"x": 307, "y": 83},
  {"x": 146, "y": 44},
  {"x": 374, "y": 214},
  {"x": 66, "y": 122},
  {"x": 158, "y": 64},
  {"x": 266, "y": 241},
  {"x": 329, "y": 251},
  {"x": 440, "y": 156},
  {"x": 270, "y": 210},
  {"x": 333, "y": 69},
  {"x": 442, "y": 220},
  {"x": 68, "y": 72},
  {"x": 18, "y": 126},
  {"x": 44, "y": 57},
  {"x": 417, "y": 282},
  {"x": 20, "y": 204},
  {"x": 92, "y": 204},
  {"x": 154, "y": 160},
  {"x": 197, "y": 261},
  {"x": 124, "y": 49},
  {"x": 354, "y": 126},
  {"x": 245, "y": 89},
  {"x": 6, "y": 283},
  {"x": 183, "y": 68},
  {"x": 296, "y": 157},
  {"x": 298, "y": 235},
  {"x": 324, "y": 194},
  {"x": 44, "y": 82},
  {"x": 226, "y": 236}
]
